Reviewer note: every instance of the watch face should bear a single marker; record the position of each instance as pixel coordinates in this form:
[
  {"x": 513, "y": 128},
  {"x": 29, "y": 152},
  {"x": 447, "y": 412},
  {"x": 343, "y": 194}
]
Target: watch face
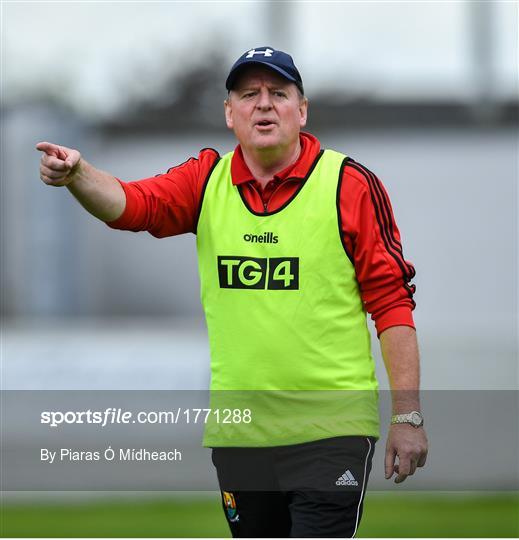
[{"x": 416, "y": 418}]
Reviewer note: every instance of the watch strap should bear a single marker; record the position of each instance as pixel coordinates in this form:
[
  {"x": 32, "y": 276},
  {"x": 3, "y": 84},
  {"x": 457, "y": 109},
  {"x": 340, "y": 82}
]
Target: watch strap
[{"x": 408, "y": 418}]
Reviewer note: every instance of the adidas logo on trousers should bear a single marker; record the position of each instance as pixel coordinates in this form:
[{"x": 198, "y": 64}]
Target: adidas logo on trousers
[{"x": 346, "y": 479}]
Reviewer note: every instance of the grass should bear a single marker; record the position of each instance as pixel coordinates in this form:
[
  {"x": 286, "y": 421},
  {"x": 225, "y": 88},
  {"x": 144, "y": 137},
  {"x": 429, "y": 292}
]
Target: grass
[
  {"x": 440, "y": 515},
  {"x": 385, "y": 515}
]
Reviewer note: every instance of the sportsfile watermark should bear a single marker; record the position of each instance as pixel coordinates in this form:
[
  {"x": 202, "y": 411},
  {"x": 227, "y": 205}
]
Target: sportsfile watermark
[
  {"x": 116, "y": 415},
  {"x": 172, "y": 440}
]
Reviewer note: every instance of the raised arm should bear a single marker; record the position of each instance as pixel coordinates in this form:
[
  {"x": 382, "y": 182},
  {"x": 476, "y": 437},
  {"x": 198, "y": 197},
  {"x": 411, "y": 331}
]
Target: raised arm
[{"x": 97, "y": 191}]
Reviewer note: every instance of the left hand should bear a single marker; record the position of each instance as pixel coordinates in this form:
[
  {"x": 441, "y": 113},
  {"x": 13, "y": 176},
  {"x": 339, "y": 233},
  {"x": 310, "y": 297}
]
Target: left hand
[{"x": 410, "y": 445}]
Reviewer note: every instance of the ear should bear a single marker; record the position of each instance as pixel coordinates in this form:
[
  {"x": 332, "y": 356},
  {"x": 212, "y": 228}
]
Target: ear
[
  {"x": 303, "y": 111},
  {"x": 228, "y": 112}
]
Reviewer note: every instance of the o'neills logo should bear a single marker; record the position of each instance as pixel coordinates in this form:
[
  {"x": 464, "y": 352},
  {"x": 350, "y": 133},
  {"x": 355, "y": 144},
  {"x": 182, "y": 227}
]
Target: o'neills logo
[{"x": 265, "y": 238}]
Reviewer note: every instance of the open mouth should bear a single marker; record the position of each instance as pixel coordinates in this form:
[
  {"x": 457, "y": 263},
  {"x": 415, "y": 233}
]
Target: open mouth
[{"x": 265, "y": 124}]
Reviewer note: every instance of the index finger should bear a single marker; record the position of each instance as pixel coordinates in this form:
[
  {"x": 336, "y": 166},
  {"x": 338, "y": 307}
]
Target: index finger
[
  {"x": 389, "y": 462},
  {"x": 48, "y": 148}
]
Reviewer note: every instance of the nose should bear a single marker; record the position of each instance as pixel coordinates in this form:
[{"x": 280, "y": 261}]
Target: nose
[{"x": 264, "y": 101}]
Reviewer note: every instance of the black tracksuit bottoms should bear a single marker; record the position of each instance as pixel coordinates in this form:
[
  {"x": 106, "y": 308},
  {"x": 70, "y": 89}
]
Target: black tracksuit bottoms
[{"x": 314, "y": 489}]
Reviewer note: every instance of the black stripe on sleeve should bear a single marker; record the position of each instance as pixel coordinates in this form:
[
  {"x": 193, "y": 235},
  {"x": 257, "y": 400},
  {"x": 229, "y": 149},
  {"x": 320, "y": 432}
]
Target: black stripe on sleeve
[
  {"x": 387, "y": 216},
  {"x": 385, "y": 220},
  {"x": 175, "y": 167},
  {"x": 391, "y": 221}
]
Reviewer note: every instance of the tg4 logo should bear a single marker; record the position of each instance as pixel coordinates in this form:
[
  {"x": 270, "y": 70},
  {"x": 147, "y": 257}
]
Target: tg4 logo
[{"x": 278, "y": 273}]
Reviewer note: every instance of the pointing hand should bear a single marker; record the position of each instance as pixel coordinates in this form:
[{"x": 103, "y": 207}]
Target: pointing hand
[{"x": 58, "y": 164}]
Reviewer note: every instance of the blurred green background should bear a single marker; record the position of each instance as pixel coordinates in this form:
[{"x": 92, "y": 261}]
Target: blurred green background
[{"x": 385, "y": 515}]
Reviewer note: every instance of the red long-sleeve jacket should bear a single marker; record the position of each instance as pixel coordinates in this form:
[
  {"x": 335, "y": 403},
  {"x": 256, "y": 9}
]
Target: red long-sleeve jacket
[{"x": 168, "y": 204}]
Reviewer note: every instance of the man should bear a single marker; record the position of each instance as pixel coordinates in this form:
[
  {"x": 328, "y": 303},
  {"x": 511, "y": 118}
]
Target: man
[{"x": 295, "y": 244}]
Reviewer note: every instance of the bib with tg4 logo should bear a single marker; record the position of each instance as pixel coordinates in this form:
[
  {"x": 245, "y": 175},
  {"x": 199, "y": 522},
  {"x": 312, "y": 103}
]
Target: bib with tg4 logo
[{"x": 282, "y": 305}]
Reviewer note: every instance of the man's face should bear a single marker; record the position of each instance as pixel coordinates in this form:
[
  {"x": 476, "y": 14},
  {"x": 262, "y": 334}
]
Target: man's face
[{"x": 264, "y": 110}]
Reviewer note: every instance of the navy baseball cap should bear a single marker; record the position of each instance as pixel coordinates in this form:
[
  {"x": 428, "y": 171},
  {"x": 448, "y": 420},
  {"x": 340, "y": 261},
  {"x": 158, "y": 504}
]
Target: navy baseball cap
[{"x": 278, "y": 61}]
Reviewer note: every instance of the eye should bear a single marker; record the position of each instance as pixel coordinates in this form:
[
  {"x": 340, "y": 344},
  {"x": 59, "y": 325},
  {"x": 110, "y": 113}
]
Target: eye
[
  {"x": 248, "y": 95},
  {"x": 280, "y": 93}
]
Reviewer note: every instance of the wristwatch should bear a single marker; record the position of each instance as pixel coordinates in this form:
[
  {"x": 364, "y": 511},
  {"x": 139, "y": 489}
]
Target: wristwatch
[{"x": 414, "y": 418}]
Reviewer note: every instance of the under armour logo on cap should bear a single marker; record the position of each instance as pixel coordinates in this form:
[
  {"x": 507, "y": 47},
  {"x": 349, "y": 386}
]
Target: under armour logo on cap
[
  {"x": 266, "y": 52},
  {"x": 278, "y": 61}
]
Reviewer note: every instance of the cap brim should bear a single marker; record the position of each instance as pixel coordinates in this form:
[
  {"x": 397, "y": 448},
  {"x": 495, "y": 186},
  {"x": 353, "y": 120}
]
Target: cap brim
[{"x": 231, "y": 79}]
